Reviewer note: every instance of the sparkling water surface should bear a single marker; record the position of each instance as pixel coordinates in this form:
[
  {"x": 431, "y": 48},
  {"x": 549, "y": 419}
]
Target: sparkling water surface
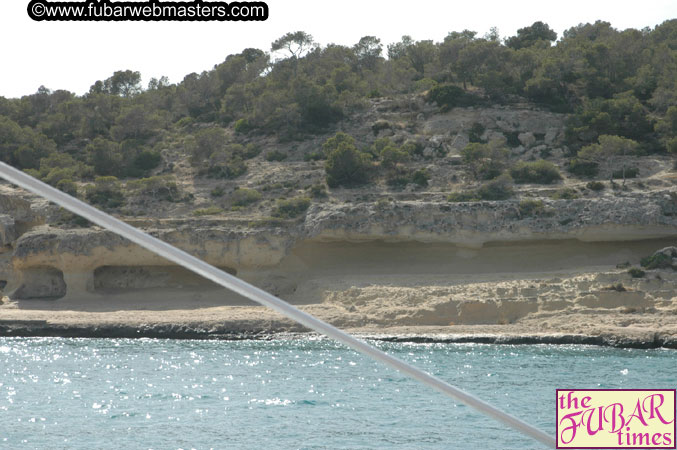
[{"x": 60, "y": 393}]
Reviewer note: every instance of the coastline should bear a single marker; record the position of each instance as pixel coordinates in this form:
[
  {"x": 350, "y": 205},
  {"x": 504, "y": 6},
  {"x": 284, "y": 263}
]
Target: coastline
[
  {"x": 266, "y": 328},
  {"x": 603, "y": 308},
  {"x": 29, "y": 329},
  {"x": 540, "y": 283}
]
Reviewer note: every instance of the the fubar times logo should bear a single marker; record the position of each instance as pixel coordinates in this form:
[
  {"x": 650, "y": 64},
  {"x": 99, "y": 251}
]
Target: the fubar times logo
[{"x": 616, "y": 418}]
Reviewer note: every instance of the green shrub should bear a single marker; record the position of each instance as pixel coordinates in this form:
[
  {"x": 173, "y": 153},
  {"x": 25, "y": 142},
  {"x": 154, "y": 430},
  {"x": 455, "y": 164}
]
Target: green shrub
[
  {"x": 251, "y": 151},
  {"x": 476, "y": 132},
  {"x": 630, "y": 172},
  {"x": 497, "y": 189},
  {"x": 595, "y": 186},
  {"x": 212, "y": 210},
  {"x": 449, "y": 96},
  {"x": 485, "y": 161},
  {"x": 489, "y": 169},
  {"x": 609, "y": 147},
  {"x": 65, "y": 217},
  {"x": 314, "y": 156},
  {"x": 565, "y": 194},
  {"x": 540, "y": 172},
  {"x": 463, "y": 196},
  {"x": 583, "y": 168},
  {"x": 671, "y": 145},
  {"x": 185, "y": 122},
  {"x": 35, "y": 173},
  {"x": 217, "y": 192},
  {"x": 513, "y": 139},
  {"x": 636, "y": 273},
  {"x": 401, "y": 177},
  {"x": 347, "y": 166},
  {"x": 228, "y": 170},
  {"x": 383, "y": 203},
  {"x": 335, "y": 142},
  {"x": 68, "y": 186},
  {"x": 413, "y": 147},
  {"x": 61, "y": 166},
  {"x": 242, "y": 126},
  {"x": 421, "y": 177},
  {"x": 392, "y": 155},
  {"x": 317, "y": 110},
  {"x": 398, "y": 180},
  {"x": 289, "y": 209},
  {"x": 162, "y": 187},
  {"x": 318, "y": 190},
  {"x": 377, "y": 147},
  {"x": 106, "y": 191},
  {"x": 147, "y": 160},
  {"x": 244, "y": 152},
  {"x": 205, "y": 143},
  {"x": 272, "y": 187},
  {"x": 424, "y": 84},
  {"x": 531, "y": 207},
  {"x": 276, "y": 155},
  {"x": 656, "y": 261},
  {"x": 58, "y": 174},
  {"x": 244, "y": 197},
  {"x": 105, "y": 156}
]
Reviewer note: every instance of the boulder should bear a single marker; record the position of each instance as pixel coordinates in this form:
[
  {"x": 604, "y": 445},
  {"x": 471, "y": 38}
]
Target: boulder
[
  {"x": 527, "y": 139},
  {"x": 460, "y": 141},
  {"x": 492, "y": 135},
  {"x": 380, "y": 125},
  {"x": 455, "y": 160},
  {"x": 437, "y": 140},
  {"x": 667, "y": 251},
  {"x": 551, "y": 135},
  {"x": 7, "y": 230}
]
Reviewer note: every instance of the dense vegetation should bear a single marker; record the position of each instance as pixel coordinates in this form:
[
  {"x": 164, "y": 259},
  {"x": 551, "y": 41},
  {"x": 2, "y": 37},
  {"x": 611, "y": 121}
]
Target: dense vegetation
[{"x": 618, "y": 87}]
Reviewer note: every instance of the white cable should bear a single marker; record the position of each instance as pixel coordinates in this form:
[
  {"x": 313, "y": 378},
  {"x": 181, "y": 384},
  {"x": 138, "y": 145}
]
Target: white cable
[{"x": 260, "y": 296}]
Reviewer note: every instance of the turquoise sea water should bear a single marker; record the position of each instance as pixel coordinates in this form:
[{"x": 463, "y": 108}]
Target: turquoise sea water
[{"x": 304, "y": 393}]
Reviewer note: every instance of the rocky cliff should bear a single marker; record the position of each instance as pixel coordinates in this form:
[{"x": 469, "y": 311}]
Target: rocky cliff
[
  {"x": 352, "y": 247},
  {"x": 53, "y": 262}
]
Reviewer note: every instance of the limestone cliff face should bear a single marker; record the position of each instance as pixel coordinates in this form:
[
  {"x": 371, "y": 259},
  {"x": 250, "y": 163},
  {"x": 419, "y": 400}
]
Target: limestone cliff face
[
  {"x": 497, "y": 123},
  {"x": 59, "y": 262},
  {"x": 632, "y": 217},
  {"x": 50, "y": 263}
]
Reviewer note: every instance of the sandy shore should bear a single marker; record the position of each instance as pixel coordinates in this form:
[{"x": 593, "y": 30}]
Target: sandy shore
[{"x": 603, "y": 308}]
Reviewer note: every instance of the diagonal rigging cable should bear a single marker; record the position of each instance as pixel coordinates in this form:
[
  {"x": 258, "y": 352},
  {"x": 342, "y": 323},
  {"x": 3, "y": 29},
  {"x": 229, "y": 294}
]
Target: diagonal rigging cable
[{"x": 264, "y": 298}]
